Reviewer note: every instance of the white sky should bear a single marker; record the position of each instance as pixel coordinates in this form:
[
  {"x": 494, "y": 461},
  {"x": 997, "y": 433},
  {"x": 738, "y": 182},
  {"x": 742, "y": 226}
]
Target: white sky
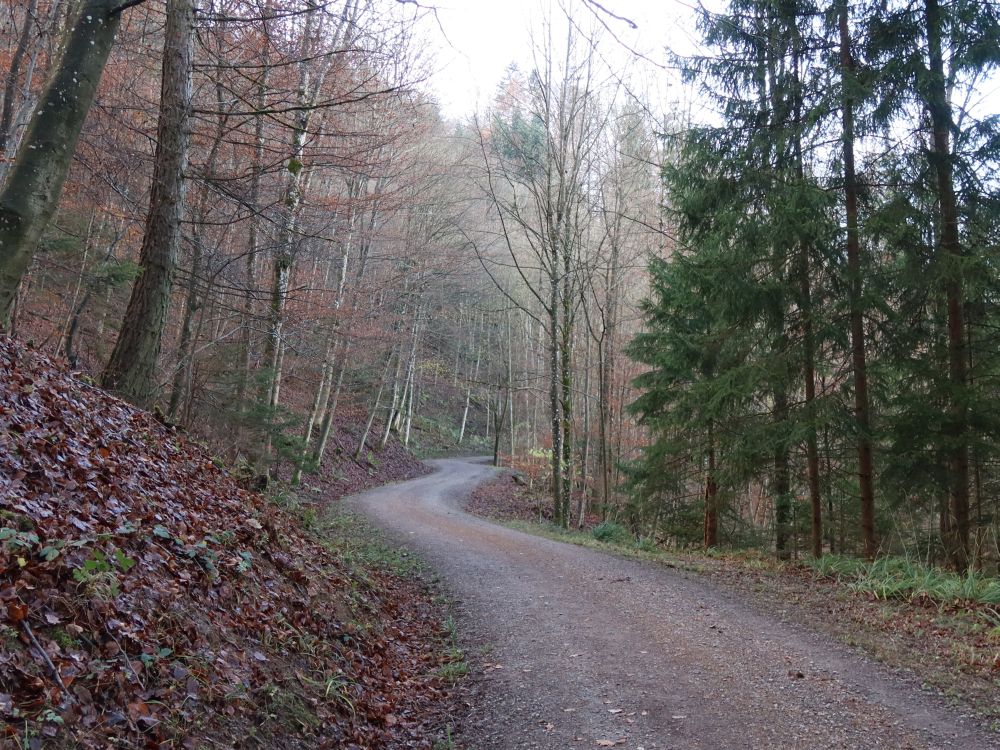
[
  {"x": 478, "y": 39},
  {"x": 484, "y": 36}
]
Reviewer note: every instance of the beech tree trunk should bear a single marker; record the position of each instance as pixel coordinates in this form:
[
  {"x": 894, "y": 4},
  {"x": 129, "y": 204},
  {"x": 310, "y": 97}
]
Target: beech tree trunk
[
  {"x": 554, "y": 407},
  {"x": 581, "y": 509},
  {"x": 131, "y": 368},
  {"x": 10, "y": 88},
  {"x": 375, "y": 407},
  {"x": 566, "y": 390},
  {"x": 394, "y": 402},
  {"x": 331, "y": 407},
  {"x": 31, "y": 194},
  {"x": 253, "y": 249}
]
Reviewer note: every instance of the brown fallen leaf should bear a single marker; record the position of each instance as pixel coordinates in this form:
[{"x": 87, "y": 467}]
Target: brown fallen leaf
[{"x": 16, "y": 611}]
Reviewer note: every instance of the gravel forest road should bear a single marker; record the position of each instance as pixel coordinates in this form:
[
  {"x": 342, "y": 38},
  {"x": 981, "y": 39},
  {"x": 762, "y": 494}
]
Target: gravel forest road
[{"x": 579, "y": 649}]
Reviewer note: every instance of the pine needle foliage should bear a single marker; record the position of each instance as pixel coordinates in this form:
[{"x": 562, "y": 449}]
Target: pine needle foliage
[{"x": 750, "y": 391}]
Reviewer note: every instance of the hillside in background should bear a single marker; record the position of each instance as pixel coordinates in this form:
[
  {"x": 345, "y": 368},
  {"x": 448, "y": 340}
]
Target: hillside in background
[{"x": 146, "y": 596}]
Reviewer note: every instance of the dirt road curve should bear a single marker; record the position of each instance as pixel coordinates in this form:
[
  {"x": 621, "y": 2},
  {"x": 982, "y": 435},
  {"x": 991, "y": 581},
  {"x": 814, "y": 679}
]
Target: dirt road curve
[{"x": 585, "y": 649}]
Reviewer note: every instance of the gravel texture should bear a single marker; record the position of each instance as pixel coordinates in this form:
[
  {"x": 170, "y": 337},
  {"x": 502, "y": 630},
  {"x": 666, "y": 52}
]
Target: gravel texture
[{"x": 573, "y": 648}]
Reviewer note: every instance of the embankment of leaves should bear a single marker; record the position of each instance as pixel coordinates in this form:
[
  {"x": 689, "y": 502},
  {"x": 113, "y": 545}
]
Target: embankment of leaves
[
  {"x": 147, "y": 600},
  {"x": 342, "y": 475},
  {"x": 504, "y": 499}
]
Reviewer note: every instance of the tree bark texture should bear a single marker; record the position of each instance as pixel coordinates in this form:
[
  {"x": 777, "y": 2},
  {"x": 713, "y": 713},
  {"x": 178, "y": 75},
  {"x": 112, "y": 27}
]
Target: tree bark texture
[
  {"x": 31, "y": 194},
  {"x": 955, "y": 519},
  {"x": 711, "y": 496},
  {"x": 131, "y": 368},
  {"x": 862, "y": 415}
]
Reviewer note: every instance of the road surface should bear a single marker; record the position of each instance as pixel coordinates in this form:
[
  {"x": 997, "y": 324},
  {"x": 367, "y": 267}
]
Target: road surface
[{"x": 580, "y": 649}]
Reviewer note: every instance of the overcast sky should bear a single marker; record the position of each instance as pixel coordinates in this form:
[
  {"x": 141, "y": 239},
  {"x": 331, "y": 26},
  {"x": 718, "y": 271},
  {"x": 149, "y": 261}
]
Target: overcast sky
[
  {"x": 473, "y": 42},
  {"x": 478, "y": 39}
]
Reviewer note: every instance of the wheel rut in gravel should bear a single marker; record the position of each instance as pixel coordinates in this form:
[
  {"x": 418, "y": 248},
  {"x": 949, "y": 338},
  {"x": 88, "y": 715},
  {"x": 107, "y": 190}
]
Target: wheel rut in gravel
[{"x": 584, "y": 649}]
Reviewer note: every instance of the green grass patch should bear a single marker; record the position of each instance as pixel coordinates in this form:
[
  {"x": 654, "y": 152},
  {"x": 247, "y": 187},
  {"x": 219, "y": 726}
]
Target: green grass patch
[
  {"x": 360, "y": 544},
  {"x": 350, "y": 536},
  {"x": 612, "y": 533},
  {"x": 907, "y": 580},
  {"x": 454, "y": 669}
]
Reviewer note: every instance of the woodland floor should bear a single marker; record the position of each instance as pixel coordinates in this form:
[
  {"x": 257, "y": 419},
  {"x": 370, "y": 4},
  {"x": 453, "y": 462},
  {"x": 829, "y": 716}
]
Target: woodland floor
[
  {"x": 573, "y": 647},
  {"x": 149, "y": 600}
]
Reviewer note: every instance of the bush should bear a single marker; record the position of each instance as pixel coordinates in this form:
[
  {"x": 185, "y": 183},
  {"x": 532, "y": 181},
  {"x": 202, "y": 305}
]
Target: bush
[
  {"x": 646, "y": 544},
  {"x": 612, "y": 533}
]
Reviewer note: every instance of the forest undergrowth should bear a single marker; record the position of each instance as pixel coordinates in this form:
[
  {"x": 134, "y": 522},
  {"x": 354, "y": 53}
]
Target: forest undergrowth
[{"x": 940, "y": 628}]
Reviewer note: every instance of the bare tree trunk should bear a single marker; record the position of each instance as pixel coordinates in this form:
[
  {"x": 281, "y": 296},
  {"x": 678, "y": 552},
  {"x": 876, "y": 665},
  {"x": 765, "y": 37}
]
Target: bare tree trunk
[
  {"x": 812, "y": 449},
  {"x": 331, "y": 409},
  {"x": 554, "y": 408},
  {"x": 131, "y": 369},
  {"x": 468, "y": 396},
  {"x": 781, "y": 490},
  {"x": 585, "y": 457},
  {"x": 253, "y": 245},
  {"x": 181, "y": 387},
  {"x": 394, "y": 403},
  {"x": 59, "y": 19},
  {"x": 31, "y": 193},
  {"x": 955, "y": 519},
  {"x": 10, "y": 88},
  {"x": 87, "y": 244},
  {"x": 711, "y": 495},
  {"x": 858, "y": 354},
  {"x": 375, "y": 407},
  {"x": 566, "y": 408},
  {"x": 406, "y": 402},
  {"x": 307, "y": 92},
  {"x": 808, "y": 335},
  {"x": 185, "y": 347},
  {"x": 409, "y": 404},
  {"x": 73, "y": 324},
  {"x": 510, "y": 385},
  {"x": 322, "y": 393},
  {"x": 531, "y": 358},
  {"x": 291, "y": 202},
  {"x": 501, "y": 414}
]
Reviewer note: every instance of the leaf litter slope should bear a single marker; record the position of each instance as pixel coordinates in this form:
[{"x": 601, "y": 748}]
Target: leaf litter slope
[
  {"x": 584, "y": 649},
  {"x": 146, "y": 599}
]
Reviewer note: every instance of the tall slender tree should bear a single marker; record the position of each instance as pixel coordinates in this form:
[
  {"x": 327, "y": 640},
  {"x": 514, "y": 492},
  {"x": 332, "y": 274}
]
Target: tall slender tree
[{"x": 31, "y": 192}]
